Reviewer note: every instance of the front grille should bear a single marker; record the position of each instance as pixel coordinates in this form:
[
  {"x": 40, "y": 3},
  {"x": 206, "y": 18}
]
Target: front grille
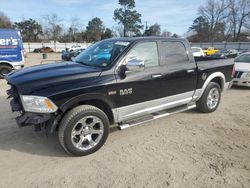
[
  {"x": 238, "y": 74},
  {"x": 15, "y": 101}
]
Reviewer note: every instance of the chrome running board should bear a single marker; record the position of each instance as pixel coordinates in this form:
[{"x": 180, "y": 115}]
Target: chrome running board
[{"x": 154, "y": 116}]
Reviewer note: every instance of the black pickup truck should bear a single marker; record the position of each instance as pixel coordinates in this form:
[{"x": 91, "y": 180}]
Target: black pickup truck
[{"x": 124, "y": 81}]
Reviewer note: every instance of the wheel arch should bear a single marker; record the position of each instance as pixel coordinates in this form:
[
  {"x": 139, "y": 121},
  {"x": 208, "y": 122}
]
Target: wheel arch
[
  {"x": 217, "y": 77},
  {"x": 6, "y": 63},
  {"x": 98, "y": 100}
]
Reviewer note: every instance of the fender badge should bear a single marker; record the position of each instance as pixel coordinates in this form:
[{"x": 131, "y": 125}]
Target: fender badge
[{"x": 204, "y": 76}]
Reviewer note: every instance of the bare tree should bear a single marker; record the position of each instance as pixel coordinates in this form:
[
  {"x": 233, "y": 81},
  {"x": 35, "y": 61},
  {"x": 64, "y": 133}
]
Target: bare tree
[
  {"x": 4, "y": 21},
  {"x": 118, "y": 31},
  {"x": 53, "y": 26},
  {"x": 74, "y": 29},
  {"x": 239, "y": 16},
  {"x": 166, "y": 33},
  {"x": 153, "y": 30},
  {"x": 215, "y": 12}
]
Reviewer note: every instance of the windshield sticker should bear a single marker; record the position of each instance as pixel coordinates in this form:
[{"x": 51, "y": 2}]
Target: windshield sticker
[{"x": 122, "y": 43}]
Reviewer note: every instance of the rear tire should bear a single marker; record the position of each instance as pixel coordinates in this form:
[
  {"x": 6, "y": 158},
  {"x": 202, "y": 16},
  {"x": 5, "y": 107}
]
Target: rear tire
[
  {"x": 4, "y": 70},
  {"x": 210, "y": 98},
  {"x": 83, "y": 130}
]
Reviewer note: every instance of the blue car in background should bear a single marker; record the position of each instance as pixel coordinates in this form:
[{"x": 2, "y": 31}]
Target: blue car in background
[{"x": 11, "y": 51}]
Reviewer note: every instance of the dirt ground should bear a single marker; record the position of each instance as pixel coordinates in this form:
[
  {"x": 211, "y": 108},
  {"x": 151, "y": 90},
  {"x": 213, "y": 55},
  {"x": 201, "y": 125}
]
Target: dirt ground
[{"x": 189, "y": 149}]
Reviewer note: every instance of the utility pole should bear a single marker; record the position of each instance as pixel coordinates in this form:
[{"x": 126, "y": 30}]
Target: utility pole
[{"x": 146, "y": 25}]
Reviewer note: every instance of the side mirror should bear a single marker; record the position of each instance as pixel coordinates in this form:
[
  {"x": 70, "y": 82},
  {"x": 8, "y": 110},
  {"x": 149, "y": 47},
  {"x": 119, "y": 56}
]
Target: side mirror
[{"x": 135, "y": 65}]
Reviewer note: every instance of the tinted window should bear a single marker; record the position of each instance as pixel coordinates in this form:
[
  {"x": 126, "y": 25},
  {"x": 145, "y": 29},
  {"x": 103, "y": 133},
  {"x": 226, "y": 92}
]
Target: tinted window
[
  {"x": 147, "y": 52},
  {"x": 101, "y": 54},
  {"x": 245, "y": 58},
  {"x": 175, "y": 53}
]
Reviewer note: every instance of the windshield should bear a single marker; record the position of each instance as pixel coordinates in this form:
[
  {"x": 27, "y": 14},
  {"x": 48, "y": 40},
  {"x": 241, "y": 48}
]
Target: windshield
[
  {"x": 245, "y": 58},
  {"x": 101, "y": 54}
]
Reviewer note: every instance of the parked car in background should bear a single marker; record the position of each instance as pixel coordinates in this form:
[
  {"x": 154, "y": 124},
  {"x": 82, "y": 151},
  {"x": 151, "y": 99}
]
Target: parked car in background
[
  {"x": 198, "y": 52},
  {"x": 68, "y": 56},
  {"x": 229, "y": 53},
  {"x": 43, "y": 50},
  {"x": 232, "y": 53},
  {"x": 11, "y": 51},
  {"x": 218, "y": 55},
  {"x": 210, "y": 51},
  {"x": 242, "y": 70},
  {"x": 75, "y": 47}
]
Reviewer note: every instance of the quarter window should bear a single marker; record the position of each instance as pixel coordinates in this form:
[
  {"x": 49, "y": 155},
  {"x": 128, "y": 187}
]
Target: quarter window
[
  {"x": 175, "y": 53},
  {"x": 147, "y": 52}
]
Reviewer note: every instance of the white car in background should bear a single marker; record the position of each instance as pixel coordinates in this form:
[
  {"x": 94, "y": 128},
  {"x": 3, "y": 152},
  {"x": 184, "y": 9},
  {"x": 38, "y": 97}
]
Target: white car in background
[
  {"x": 198, "y": 52},
  {"x": 242, "y": 70},
  {"x": 74, "y": 48}
]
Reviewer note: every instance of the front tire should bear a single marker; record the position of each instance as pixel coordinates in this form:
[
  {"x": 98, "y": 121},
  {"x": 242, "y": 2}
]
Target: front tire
[
  {"x": 83, "y": 130},
  {"x": 4, "y": 70},
  {"x": 210, "y": 98}
]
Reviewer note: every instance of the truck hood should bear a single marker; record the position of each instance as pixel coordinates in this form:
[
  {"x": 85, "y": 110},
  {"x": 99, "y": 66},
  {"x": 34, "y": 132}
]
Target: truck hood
[
  {"x": 34, "y": 79},
  {"x": 245, "y": 67}
]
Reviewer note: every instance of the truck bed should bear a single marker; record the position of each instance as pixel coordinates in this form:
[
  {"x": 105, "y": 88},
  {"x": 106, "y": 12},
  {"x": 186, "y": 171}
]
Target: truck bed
[{"x": 210, "y": 63}]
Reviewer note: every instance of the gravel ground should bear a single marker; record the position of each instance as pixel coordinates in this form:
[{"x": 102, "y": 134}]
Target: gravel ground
[{"x": 188, "y": 149}]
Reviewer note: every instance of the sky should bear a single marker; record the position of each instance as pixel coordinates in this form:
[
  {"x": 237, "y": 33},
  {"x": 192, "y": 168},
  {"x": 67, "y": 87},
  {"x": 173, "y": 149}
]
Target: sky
[{"x": 175, "y": 16}]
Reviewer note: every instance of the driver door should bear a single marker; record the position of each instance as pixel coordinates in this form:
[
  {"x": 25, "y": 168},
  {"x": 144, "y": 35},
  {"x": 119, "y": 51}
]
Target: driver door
[{"x": 137, "y": 90}]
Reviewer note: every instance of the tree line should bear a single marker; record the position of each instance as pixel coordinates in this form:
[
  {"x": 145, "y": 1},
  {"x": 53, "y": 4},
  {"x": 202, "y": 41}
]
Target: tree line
[
  {"x": 218, "y": 20},
  {"x": 222, "y": 20},
  {"x": 51, "y": 27}
]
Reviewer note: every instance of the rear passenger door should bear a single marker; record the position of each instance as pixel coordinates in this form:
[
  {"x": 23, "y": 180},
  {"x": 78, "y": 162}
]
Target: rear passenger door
[{"x": 178, "y": 70}]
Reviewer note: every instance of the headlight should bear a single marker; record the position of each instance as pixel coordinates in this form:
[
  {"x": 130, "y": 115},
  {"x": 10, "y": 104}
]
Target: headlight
[
  {"x": 38, "y": 104},
  {"x": 248, "y": 74}
]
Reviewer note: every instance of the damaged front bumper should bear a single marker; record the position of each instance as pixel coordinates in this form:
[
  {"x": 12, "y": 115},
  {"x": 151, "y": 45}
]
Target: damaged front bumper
[
  {"x": 27, "y": 119},
  {"x": 48, "y": 121}
]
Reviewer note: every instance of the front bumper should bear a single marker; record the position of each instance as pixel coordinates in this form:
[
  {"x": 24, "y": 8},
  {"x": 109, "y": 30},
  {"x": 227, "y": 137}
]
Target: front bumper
[
  {"x": 241, "y": 82},
  {"x": 27, "y": 119},
  {"x": 17, "y": 65},
  {"x": 23, "y": 119}
]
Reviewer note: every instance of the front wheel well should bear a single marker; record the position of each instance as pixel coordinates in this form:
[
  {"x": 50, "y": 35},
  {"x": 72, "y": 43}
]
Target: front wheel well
[
  {"x": 7, "y": 64},
  {"x": 99, "y": 104}
]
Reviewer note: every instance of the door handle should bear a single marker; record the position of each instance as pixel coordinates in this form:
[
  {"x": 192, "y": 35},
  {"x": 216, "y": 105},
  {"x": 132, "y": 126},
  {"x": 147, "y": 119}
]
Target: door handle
[
  {"x": 156, "y": 75},
  {"x": 190, "y": 70}
]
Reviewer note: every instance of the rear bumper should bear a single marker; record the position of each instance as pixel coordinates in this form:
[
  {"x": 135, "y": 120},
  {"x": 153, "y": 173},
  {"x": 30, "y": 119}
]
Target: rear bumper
[{"x": 241, "y": 82}]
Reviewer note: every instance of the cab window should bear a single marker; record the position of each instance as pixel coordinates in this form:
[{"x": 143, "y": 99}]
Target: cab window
[
  {"x": 147, "y": 52},
  {"x": 175, "y": 52}
]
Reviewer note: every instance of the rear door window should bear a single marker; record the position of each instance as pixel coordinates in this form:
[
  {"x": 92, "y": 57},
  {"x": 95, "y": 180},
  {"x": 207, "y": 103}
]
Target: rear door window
[{"x": 175, "y": 52}]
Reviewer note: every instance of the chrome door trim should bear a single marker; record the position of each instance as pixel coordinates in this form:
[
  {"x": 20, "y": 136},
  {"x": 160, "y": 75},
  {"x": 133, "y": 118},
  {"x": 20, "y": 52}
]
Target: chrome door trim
[{"x": 144, "y": 108}]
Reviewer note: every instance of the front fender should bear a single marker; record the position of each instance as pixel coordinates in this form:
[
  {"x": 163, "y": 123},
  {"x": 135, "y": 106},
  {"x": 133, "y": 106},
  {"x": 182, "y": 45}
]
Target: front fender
[{"x": 87, "y": 97}]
